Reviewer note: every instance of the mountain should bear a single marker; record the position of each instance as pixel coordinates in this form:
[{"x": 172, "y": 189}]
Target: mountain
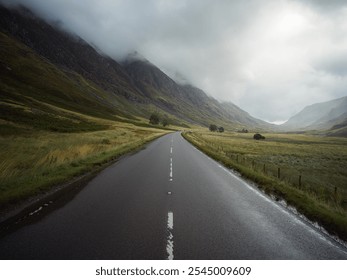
[
  {"x": 329, "y": 115},
  {"x": 185, "y": 101},
  {"x": 47, "y": 71},
  {"x": 66, "y": 51}
]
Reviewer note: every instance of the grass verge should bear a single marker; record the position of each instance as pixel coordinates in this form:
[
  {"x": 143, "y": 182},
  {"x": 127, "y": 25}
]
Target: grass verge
[
  {"x": 34, "y": 162},
  {"x": 319, "y": 203}
]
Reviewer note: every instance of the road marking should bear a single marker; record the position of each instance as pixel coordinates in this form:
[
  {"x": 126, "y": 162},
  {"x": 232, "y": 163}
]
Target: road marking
[
  {"x": 36, "y": 211},
  {"x": 171, "y": 169},
  {"x": 170, "y": 242},
  {"x": 313, "y": 228},
  {"x": 171, "y": 150}
]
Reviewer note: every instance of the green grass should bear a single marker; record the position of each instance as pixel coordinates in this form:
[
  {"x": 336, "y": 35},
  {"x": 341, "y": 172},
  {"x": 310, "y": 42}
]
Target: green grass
[
  {"x": 34, "y": 162},
  {"x": 321, "y": 162}
]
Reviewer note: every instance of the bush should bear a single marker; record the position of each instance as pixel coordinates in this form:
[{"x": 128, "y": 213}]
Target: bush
[
  {"x": 258, "y": 136},
  {"x": 154, "y": 119},
  {"x": 165, "y": 122},
  {"x": 213, "y": 127},
  {"x": 221, "y": 129}
]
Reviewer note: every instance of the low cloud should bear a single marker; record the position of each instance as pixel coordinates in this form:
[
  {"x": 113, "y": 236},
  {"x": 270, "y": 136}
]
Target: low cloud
[{"x": 271, "y": 58}]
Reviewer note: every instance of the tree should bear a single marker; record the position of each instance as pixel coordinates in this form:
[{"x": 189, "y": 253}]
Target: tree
[
  {"x": 154, "y": 119},
  {"x": 165, "y": 122},
  {"x": 221, "y": 129},
  {"x": 213, "y": 127}
]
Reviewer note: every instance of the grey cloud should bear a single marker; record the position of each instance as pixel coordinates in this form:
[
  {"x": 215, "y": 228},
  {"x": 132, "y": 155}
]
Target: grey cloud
[
  {"x": 263, "y": 55},
  {"x": 334, "y": 64},
  {"x": 325, "y": 5}
]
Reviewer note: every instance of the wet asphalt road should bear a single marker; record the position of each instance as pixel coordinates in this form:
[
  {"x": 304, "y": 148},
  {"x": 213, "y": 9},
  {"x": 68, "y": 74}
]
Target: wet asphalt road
[{"x": 168, "y": 201}]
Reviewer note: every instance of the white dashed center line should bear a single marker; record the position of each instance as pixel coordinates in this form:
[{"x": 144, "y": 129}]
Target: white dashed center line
[
  {"x": 170, "y": 243},
  {"x": 170, "y": 169}
]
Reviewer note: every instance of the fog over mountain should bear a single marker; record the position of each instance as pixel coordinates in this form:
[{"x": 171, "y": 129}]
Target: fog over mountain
[
  {"x": 325, "y": 115},
  {"x": 272, "y": 58}
]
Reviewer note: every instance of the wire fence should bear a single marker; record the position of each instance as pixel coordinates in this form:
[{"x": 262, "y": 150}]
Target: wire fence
[{"x": 291, "y": 176}]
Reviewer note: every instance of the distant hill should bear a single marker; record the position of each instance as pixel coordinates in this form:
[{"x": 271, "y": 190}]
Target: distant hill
[
  {"x": 331, "y": 115},
  {"x": 44, "y": 69}
]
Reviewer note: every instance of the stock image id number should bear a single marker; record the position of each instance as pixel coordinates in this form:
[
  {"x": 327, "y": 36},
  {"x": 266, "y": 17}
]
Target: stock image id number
[{"x": 195, "y": 271}]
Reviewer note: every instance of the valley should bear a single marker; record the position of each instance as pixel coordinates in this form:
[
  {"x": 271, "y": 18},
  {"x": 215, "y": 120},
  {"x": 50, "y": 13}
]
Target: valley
[
  {"x": 168, "y": 201},
  {"x": 69, "y": 111}
]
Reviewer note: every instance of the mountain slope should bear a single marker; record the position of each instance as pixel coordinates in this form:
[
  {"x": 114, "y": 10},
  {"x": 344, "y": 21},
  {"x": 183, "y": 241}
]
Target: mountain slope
[
  {"x": 186, "y": 101},
  {"x": 35, "y": 93},
  {"x": 320, "y": 116},
  {"x": 67, "y": 51},
  {"x": 64, "y": 71}
]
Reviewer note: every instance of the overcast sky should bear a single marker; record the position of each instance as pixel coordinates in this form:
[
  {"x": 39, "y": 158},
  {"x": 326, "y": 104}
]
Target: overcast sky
[{"x": 270, "y": 57}]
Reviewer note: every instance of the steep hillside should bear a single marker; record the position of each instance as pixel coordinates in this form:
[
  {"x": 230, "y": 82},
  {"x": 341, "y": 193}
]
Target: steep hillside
[
  {"x": 334, "y": 118},
  {"x": 243, "y": 118},
  {"x": 35, "y": 93},
  {"x": 67, "y": 51},
  {"x": 43, "y": 66},
  {"x": 321, "y": 116},
  {"x": 340, "y": 126},
  {"x": 185, "y": 101}
]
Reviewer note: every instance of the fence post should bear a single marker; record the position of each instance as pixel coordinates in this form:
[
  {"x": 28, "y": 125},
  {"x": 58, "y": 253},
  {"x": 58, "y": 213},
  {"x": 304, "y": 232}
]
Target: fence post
[
  {"x": 253, "y": 164},
  {"x": 279, "y": 173},
  {"x": 300, "y": 180},
  {"x": 264, "y": 170},
  {"x": 335, "y": 194},
  {"x": 237, "y": 158}
]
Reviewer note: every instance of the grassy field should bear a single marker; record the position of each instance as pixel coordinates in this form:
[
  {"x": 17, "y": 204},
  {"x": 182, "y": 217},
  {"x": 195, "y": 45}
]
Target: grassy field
[
  {"x": 34, "y": 160},
  {"x": 309, "y": 172}
]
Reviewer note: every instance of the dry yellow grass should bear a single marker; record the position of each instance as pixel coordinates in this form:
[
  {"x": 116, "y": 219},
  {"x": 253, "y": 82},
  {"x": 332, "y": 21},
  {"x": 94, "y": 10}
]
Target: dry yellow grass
[{"x": 34, "y": 162}]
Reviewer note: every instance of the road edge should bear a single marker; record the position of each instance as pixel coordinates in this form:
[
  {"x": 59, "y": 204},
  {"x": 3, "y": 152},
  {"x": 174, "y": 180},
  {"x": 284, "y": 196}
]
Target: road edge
[{"x": 13, "y": 213}]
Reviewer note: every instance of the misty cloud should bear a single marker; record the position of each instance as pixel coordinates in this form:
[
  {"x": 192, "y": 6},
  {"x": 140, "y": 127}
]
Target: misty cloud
[
  {"x": 324, "y": 5},
  {"x": 334, "y": 64},
  {"x": 270, "y": 57}
]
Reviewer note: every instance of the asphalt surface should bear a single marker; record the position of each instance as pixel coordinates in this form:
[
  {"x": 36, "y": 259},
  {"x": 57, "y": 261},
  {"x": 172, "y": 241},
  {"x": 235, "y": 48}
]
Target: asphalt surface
[{"x": 168, "y": 201}]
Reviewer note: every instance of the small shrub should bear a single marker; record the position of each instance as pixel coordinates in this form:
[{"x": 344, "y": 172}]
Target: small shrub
[
  {"x": 154, "y": 119},
  {"x": 258, "y": 136},
  {"x": 213, "y": 127},
  {"x": 165, "y": 122}
]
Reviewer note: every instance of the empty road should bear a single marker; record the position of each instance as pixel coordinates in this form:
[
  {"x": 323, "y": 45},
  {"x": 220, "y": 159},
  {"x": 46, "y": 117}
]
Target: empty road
[{"x": 168, "y": 201}]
